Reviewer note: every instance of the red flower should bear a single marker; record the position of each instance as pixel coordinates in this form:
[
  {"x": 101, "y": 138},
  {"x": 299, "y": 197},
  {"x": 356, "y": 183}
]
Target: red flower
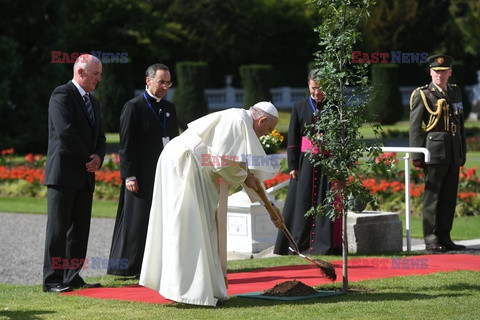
[
  {"x": 387, "y": 158},
  {"x": 29, "y": 158},
  {"x": 115, "y": 158},
  {"x": 7, "y": 151},
  {"x": 279, "y": 178}
]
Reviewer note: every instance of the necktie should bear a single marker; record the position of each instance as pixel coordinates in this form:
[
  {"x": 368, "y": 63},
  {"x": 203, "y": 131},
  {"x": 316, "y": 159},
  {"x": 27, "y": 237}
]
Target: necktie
[{"x": 88, "y": 103}]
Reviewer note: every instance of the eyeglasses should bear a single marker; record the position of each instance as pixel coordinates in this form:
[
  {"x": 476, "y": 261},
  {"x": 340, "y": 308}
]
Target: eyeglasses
[
  {"x": 167, "y": 84},
  {"x": 315, "y": 88}
]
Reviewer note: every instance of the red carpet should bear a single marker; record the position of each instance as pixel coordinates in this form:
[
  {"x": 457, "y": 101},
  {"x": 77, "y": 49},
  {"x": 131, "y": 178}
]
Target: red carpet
[{"x": 263, "y": 279}]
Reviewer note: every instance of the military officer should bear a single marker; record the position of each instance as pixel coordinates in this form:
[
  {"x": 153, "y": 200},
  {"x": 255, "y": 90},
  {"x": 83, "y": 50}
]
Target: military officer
[{"x": 436, "y": 123}]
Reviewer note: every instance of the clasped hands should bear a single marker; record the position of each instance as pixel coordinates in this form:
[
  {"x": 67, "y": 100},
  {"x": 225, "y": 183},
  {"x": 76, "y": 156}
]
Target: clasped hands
[
  {"x": 419, "y": 163},
  {"x": 94, "y": 164},
  {"x": 251, "y": 181}
]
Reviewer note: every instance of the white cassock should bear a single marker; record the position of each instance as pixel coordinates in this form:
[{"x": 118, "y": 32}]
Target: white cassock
[{"x": 181, "y": 259}]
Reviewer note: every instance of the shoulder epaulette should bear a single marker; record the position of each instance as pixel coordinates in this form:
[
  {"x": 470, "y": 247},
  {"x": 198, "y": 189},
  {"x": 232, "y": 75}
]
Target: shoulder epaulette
[{"x": 416, "y": 90}]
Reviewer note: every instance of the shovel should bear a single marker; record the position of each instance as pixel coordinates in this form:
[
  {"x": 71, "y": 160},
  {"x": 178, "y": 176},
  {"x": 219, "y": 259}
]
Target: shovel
[{"x": 326, "y": 267}]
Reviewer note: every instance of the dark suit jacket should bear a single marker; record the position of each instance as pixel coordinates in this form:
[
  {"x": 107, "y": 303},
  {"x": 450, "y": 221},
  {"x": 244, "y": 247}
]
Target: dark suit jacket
[
  {"x": 302, "y": 115},
  {"x": 444, "y": 146},
  {"x": 141, "y": 136},
  {"x": 72, "y": 139}
]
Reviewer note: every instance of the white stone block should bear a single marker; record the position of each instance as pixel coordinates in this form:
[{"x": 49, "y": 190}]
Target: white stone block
[
  {"x": 373, "y": 232},
  {"x": 249, "y": 228}
]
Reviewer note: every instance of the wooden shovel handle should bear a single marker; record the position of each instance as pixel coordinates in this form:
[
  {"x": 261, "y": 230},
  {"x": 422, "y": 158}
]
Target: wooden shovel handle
[
  {"x": 275, "y": 216},
  {"x": 271, "y": 210}
]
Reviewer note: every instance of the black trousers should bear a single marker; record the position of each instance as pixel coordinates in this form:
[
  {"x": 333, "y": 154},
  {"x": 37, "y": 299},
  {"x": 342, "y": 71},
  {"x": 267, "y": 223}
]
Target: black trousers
[
  {"x": 439, "y": 201},
  {"x": 68, "y": 227}
]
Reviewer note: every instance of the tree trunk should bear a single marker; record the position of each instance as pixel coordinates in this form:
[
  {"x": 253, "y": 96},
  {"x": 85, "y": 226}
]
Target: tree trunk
[{"x": 344, "y": 253}]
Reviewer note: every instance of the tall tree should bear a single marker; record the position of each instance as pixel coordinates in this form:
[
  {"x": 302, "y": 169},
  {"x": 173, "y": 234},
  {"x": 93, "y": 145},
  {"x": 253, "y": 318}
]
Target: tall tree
[
  {"x": 407, "y": 26},
  {"x": 461, "y": 39},
  {"x": 337, "y": 133},
  {"x": 35, "y": 33},
  {"x": 230, "y": 33}
]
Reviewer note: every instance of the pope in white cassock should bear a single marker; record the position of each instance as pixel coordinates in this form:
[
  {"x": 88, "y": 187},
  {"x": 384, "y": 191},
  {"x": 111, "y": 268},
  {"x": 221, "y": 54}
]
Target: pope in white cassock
[{"x": 184, "y": 259}]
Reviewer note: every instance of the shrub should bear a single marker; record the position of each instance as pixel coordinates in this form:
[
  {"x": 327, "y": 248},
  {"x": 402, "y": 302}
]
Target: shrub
[
  {"x": 256, "y": 81},
  {"x": 189, "y": 98},
  {"x": 387, "y": 103}
]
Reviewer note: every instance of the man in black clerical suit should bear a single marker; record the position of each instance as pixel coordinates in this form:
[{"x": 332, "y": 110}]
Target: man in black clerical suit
[
  {"x": 147, "y": 123},
  {"x": 76, "y": 148},
  {"x": 436, "y": 123},
  {"x": 308, "y": 184}
]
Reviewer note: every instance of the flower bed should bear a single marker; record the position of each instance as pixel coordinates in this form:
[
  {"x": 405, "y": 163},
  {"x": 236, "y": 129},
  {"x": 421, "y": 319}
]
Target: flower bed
[{"x": 23, "y": 176}]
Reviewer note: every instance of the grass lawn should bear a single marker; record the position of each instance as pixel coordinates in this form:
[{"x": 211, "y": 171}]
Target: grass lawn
[
  {"x": 452, "y": 295},
  {"x": 464, "y": 228},
  {"x": 112, "y": 138},
  {"x": 100, "y": 209}
]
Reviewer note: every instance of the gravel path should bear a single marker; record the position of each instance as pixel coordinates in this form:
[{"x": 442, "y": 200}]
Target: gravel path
[{"x": 22, "y": 240}]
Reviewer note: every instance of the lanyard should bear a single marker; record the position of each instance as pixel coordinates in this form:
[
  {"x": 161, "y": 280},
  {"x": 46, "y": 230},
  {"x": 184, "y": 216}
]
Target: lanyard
[
  {"x": 164, "y": 126},
  {"x": 314, "y": 109}
]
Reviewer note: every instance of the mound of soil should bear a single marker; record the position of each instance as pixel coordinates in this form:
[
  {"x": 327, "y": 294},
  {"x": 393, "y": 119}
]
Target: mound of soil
[{"x": 291, "y": 288}]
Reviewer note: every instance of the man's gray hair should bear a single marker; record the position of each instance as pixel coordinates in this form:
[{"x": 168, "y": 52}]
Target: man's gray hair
[
  {"x": 314, "y": 75},
  {"x": 83, "y": 61},
  {"x": 258, "y": 113},
  {"x": 152, "y": 70}
]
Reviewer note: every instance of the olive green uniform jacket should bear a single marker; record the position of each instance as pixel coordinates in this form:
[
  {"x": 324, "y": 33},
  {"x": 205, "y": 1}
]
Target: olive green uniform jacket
[{"x": 436, "y": 123}]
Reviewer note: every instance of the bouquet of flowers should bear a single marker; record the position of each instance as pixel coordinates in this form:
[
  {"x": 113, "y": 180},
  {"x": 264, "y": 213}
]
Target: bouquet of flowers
[{"x": 271, "y": 142}]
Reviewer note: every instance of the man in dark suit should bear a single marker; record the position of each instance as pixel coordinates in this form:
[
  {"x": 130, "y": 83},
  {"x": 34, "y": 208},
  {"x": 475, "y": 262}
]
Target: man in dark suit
[
  {"x": 308, "y": 184},
  {"x": 147, "y": 123},
  {"x": 76, "y": 148},
  {"x": 436, "y": 122}
]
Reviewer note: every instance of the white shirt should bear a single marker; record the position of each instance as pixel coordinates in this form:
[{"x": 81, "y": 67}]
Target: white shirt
[{"x": 80, "y": 89}]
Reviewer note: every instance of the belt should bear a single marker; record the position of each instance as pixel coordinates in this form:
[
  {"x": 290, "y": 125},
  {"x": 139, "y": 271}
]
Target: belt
[
  {"x": 308, "y": 145},
  {"x": 453, "y": 129}
]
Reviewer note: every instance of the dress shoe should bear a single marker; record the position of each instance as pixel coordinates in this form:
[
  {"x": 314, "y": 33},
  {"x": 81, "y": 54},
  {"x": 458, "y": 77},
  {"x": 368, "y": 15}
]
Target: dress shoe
[
  {"x": 59, "y": 288},
  {"x": 452, "y": 246},
  {"x": 434, "y": 247},
  {"x": 86, "y": 286}
]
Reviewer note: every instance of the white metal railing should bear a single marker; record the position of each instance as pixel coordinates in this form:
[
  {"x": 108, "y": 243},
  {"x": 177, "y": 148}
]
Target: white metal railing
[{"x": 407, "y": 151}]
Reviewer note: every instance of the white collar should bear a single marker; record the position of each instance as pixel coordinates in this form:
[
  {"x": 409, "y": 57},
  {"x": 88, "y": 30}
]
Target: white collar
[
  {"x": 80, "y": 89},
  {"x": 151, "y": 95}
]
